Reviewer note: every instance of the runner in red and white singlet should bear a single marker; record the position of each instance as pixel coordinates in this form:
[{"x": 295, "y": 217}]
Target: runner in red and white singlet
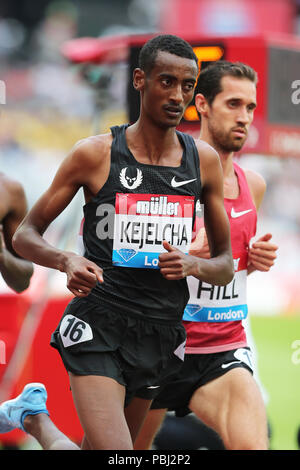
[{"x": 214, "y": 314}]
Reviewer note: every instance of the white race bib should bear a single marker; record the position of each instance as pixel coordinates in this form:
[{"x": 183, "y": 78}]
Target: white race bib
[
  {"x": 143, "y": 221},
  {"x": 73, "y": 331}
]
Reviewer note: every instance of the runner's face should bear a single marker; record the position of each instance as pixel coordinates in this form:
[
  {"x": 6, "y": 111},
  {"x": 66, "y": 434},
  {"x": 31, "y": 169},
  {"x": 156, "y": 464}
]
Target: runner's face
[
  {"x": 169, "y": 88},
  {"x": 231, "y": 113}
]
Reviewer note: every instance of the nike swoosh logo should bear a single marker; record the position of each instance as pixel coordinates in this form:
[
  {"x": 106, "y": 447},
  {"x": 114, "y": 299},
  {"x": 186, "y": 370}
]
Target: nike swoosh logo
[
  {"x": 154, "y": 386},
  {"x": 224, "y": 366},
  {"x": 176, "y": 184},
  {"x": 234, "y": 214}
]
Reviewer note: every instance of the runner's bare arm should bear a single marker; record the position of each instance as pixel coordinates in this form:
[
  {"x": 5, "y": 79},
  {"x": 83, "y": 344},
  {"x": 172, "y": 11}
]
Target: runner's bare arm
[
  {"x": 15, "y": 271},
  {"x": 262, "y": 253},
  {"x": 217, "y": 270},
  {"x": 82, "y": 274}
]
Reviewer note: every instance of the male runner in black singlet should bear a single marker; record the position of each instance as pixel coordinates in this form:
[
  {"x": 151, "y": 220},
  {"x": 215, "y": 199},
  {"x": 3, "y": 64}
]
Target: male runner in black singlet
[{"x": 121, "y": 337}]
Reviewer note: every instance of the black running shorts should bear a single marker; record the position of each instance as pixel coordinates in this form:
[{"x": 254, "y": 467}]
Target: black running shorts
[
  {"x": 197, "y": 370},
  {"x": 95, "y": 338}
]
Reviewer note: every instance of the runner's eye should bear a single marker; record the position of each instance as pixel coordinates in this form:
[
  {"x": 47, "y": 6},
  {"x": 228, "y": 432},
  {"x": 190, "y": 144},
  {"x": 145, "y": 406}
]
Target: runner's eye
[
  {"x": 232, "y": 104},
  {"x": 188, "y": 87},
  {"x": 251, "y": 108},
  {"x": 166, "y": 81}
]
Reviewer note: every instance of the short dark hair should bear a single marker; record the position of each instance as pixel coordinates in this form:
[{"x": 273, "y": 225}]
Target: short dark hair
[
  {"x": 166, "y": 43},
  {"x": 209, "y": 80}
]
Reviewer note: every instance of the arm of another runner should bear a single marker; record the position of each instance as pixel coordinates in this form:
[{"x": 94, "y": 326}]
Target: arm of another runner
[
  {"x": 217, "y": 270},
  {"x": 262, "y": 253},
  {"x": 82, "y": 274},
  {"x": 15, "y": 271}
]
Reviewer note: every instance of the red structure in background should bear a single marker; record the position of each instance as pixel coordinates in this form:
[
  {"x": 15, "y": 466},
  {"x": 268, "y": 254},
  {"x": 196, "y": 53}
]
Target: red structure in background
[
  {"x": 276, "y": 126},
  {"x": 276, "y": 58},
  {"x": 223, "y": 17},
  {"x": 42, "y": 364}
]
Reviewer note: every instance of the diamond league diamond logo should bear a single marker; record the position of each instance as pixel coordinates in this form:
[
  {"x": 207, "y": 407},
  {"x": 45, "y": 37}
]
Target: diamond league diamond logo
[
  {"x": 127, "y": 253},
  {"x": 192, "y": 309}
]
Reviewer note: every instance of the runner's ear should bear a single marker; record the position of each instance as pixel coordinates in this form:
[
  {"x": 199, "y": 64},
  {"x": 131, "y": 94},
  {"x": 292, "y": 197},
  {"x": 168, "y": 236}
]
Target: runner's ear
[
  {"x": 138, "y": 79},
  {"x": 201, "y": 104}
]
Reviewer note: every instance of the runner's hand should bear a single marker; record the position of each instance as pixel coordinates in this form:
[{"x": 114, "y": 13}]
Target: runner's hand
[
  {"x": 262, "y": 254},
  {"x": 175, "y": 264}
]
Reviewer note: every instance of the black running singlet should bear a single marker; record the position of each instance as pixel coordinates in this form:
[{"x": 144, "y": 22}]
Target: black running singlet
[{"x": 124, "y": 225}]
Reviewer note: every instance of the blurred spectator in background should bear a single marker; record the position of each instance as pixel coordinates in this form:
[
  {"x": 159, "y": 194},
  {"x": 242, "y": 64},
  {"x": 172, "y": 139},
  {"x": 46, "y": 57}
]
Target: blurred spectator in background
[{"x": 15, "y": 270}]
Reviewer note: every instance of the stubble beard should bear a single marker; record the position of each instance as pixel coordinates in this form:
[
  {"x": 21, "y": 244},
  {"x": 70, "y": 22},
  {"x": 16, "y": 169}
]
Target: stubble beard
[{"x": 224, "y": 141}]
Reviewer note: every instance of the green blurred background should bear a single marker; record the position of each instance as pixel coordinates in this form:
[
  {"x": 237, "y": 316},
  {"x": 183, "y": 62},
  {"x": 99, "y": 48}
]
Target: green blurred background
[{"x": 279, "y": 370}]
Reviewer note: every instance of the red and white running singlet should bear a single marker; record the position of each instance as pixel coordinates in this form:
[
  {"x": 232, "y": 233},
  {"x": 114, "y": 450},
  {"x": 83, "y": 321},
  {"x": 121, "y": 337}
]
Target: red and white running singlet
[{"x": 213, "y": 317}]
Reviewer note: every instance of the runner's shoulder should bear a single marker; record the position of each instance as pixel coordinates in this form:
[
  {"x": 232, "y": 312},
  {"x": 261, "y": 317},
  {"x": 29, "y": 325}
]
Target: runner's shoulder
[
  {"x": 255, "y": 178},
  {"x": 210, "y": 163},
  {"x": 206, "y": 151},
  {"x": 11, "y": 186},
  {"x": 257, "y": 185},
  {"x": 91, "y": 151}
]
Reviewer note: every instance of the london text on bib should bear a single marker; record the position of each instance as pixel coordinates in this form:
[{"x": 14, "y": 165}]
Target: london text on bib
[
  {"x": 143, "y": 221},
  {"x": 210, "y": 303}
]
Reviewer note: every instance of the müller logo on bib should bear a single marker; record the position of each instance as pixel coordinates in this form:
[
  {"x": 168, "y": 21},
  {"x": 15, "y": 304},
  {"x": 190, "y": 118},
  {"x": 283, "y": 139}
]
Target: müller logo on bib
[{"x": 143, "y": 221}]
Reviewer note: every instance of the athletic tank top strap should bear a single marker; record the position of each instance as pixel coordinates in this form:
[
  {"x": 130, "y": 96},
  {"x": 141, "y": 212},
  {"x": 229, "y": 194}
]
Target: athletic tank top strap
[
  {"x": 188, "y": 143},
  {"x": 121, "y": 155},
  {"x": 119, "y": 149},
  {"x": 245, "y": 194}
]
